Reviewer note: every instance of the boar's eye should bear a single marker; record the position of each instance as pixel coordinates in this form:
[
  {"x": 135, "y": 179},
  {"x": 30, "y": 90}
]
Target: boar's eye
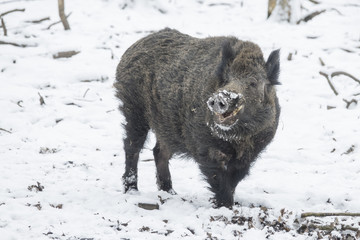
[{"x": 253, "y": 84}]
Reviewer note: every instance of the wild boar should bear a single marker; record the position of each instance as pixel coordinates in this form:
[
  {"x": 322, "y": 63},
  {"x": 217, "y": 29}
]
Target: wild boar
[{"x": 211, "y": 99}]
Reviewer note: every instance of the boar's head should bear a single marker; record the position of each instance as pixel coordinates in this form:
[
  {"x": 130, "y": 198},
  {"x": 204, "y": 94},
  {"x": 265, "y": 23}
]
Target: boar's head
[{"x": 244, "y": 101}]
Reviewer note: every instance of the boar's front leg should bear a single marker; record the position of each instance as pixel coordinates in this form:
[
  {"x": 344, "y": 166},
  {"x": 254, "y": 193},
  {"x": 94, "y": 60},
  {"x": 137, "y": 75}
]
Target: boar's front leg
[
  {"x": 162, "y": 156},
  {"x": 223, "y": 179}
]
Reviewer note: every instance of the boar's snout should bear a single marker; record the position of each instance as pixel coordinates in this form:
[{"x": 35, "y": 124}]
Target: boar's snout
[
  {"x": 218, "y": 104},
  {"x": 225, "y": 104}
]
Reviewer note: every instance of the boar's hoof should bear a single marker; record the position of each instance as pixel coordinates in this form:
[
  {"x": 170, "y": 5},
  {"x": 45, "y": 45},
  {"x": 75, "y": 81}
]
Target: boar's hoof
[
  {"x": 171, "y": 191},
  {"x": 130, "y": 183},
  {"x": 218, "y": 203}
]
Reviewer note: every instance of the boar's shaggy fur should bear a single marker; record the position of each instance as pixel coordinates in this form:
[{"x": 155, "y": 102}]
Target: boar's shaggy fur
[{"x": 211, "y": 99}]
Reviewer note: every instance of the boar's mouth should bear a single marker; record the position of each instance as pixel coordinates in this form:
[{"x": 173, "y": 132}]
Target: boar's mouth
[{"x": 229, "y": 118}]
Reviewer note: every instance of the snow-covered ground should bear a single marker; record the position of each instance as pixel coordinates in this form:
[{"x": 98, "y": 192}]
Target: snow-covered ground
[{"x": 61, "y": 162}]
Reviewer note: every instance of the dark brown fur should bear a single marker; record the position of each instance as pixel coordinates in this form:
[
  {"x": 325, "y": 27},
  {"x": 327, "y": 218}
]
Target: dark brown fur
[{"x": 164, "y": 82}]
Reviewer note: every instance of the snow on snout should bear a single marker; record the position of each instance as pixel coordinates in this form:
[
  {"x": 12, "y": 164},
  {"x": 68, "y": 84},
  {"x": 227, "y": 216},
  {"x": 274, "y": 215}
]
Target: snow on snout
[{"x": 232, "y": 95}]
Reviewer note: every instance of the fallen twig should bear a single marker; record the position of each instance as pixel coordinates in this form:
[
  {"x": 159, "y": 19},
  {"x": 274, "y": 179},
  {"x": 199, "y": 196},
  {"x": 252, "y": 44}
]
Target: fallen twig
[
  {"x": 334, "y": 74},
  {"x": 289, "y": 58},
  {"x": 17, "y": 45},
  {"x": 314, "y": 2},
  {"x": 321, "y": 62},
  {"x": 19, "y": 103},
  {"x": 39, "y": 21},
  {"x": 66, "y": 54},
  {"x": 350, "y": 150},
  {"x": 73, "y": 104},
  {"x": 310, "y": 16},
  {"x": 63, "y": 18},
  {"x": 42, "y": 102},
  {"x": 328, "y": 228},
  {"x": 1, "y": 129},
  {"x": 148, "y": 160},
  {"x": 3, "y": 26},
  {"x": 102, "y": 79},
  {"x": 112, "y": 53},
  {"x": 57, "y": 22},
  {"x": 344, "y": 214},
  {"x": 347, "y": 50},
  {"x": 86, "y": 92},
  {"x": 348, "y": 103},
  {"x": 14, "y": 10},
  {"x": 329, "y": 82},
  {"x": 149, "y": 206}
]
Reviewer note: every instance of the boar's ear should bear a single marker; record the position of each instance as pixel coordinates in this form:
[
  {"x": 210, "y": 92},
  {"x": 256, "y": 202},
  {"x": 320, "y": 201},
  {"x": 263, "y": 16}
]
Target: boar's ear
[
  {"x": 227, "y": 56},
  {"x": 273, "y": 67}
]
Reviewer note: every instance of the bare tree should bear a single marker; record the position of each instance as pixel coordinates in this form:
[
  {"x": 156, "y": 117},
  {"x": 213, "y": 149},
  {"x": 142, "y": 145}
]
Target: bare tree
[{"x": 284, "y": 10}]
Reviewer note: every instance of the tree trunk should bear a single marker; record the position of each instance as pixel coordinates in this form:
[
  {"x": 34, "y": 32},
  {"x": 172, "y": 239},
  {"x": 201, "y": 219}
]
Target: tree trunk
[
  {"x": 284, "y": 10},
  {"x": 62, "y": 15}
]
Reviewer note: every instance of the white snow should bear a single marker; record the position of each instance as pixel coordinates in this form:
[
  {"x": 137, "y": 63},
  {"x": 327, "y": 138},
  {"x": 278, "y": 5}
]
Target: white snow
[{"x": 62, "y": 162}]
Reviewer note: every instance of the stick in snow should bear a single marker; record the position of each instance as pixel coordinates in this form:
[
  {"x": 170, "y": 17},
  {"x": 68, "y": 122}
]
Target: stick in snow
[
  {"x": 1, "y": 129},
  {"x": 57, "y": 22},
  {"x": 16, "y": 44},
  {"x": 3, "y": 26},
  {"x": 14, "y": 10},
  {"x": 329, "y": 82},
  {"x": 39, "y": 21},
  {"x": 149, "y": 206},
  {"x": 66, "y": 54},
  {"x": 313, "y": 214},
  {"x": 42, "y": 102},
  {"x": 334, "y": 74},
  {"x": 310, "y": 16}
]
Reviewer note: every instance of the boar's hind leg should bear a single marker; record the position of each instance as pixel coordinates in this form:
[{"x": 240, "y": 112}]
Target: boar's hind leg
[
  {"x": 162, "y": 156},
  {"x": 136, "y": 132}
]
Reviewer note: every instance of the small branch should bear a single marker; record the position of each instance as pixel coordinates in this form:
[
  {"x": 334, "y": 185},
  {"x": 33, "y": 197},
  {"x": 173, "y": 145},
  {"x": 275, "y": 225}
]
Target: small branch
[
  {"x": 347, "y": 50},
  {"x": 1, "y": 129},
  {"x": 62, "y": 15},
  {"x": 3, "y": 26},
  {"x": 310, "y": 16},
  {"x": 329, "y": 82},
  {"x": 16, "y": 44},
  {"x": 19, "y": 103},
  {"x": 42, "y": 102},
  {"x": 314, "y": 2},
  {"x": 330, "y": 228},
  {"x": 321, "y": 62},
  {"x": 149, "y": 206},
  {"x": 106, "y": 48},
  {"x": 313, "y": 214},
  {"x": 66, "y": 54},
  {"x": 57, "y": 22},
  {"x": 102, "y": 79},
  {"x": 348, "y": 103},
  {"x": 14, "y": 10},
  {"x": 350, "y": 150},
  {"x": 86, "y": 92},
  {"x": 334, "y": 9},
  {"x": 289, "y": 58},
  {"x": 39, "y": 21},
  {"x": 334, "y": 74},
  {"x": 147, "y": 160}
]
